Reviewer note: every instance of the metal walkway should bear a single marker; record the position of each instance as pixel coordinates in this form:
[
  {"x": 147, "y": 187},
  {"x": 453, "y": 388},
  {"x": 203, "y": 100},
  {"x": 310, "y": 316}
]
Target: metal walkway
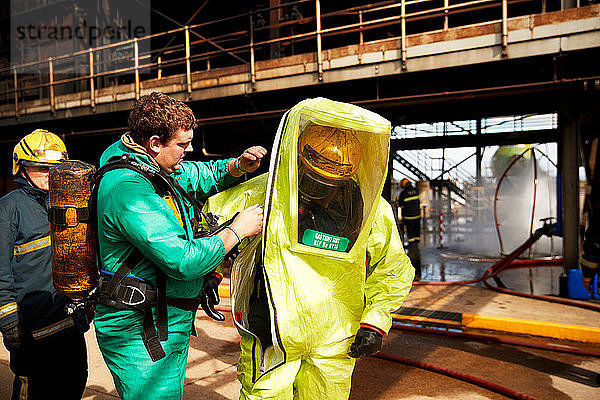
[{"x": 232, "y": 65}]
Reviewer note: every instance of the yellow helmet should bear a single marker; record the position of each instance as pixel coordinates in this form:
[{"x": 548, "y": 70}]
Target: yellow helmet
[
  {"x": 333, "y": 153},
  {"x": 39, "y": 148},
  {"x": 404, "y": 182}
]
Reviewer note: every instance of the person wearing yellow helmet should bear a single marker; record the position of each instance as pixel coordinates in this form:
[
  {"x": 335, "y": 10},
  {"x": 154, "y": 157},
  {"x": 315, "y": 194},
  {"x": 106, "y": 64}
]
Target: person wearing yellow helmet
[
  {"x": 35, "y": 154},
  {"x": 316, "y": 290},
  {"x": 410, "y": 205},
  {"x": 330, "y": 199},
  {"x": 35, "y": 326}
]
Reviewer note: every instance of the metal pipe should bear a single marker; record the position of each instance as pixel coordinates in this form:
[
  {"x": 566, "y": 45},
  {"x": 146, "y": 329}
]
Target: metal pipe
[
  {"x": 496, "y": 223},
  {"x": 136, "y": 63},
  {"x": 446, "y": 14},
  {"x": 504, "y": 27},
  {"x": 92, "y": 88},
  {"x": 319, "y": 54},
  {"x": 403, "y": 34},
  {"x": 360, "y": 21},
  {"x": 252, "y": 64},
  {"x": 188, "y": 70},
  {"x": 51, "y": 79},
  {"x": 16, "y": 86},
  {"x": 534, "y": 200},
  {"x": 494, "y": 387}
]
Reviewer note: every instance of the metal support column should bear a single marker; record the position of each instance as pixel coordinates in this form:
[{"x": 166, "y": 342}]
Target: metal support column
[
  {"x": 319, "y": 53},
  {"x": 403, "y": 35},
  {"x": 137, "y": 68},
  {"x": 92, "y": 87},
  {"x": 274, "y": 17},
  {"x": 446, "y": 4},
  {"x": 360, "y": 21},
  {"x": 504, "y": 26},
  {"x": 16, "y": 87},
  {"x": 51, "y": 79},
  {"x": 188, "y": 69},
  {"x": 569, "y": 170},
  {"x": 478, "y": 188},
  {"x": 252, "y": 61}
]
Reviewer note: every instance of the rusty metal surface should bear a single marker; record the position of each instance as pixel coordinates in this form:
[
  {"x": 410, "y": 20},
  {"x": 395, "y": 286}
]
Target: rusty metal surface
[{"x": 74, "y": 269}]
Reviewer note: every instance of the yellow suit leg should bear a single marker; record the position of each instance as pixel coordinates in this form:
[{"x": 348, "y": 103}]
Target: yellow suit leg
[
  {"x": 325, "y": 378},
  {"x": 277, "y": 384}
]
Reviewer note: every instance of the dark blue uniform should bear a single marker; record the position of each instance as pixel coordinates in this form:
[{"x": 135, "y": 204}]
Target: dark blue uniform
[
  {"x": 52, "y": 360},
  {"x": 411, "y": 219}
]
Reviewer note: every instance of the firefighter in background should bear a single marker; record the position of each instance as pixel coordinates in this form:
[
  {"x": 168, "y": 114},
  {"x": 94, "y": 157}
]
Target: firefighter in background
[
  {"x": 411, "y": 219},
  {"x": 47, "y": 350},
  {"x": 317, "y": 289}
]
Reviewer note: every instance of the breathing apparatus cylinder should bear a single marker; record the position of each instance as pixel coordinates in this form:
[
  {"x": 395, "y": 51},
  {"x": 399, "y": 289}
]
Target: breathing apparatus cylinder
[{"x": 72, "y": 232}]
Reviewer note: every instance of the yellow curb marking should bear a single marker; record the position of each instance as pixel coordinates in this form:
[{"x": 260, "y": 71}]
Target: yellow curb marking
[
  {"x": 416, "y": 318},
  {"x": 537, "y": 328}
]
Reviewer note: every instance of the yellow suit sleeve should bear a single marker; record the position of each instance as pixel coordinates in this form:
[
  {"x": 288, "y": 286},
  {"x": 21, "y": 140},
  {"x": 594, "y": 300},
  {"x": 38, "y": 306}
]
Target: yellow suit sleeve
[{"x": 389, "y": 271}]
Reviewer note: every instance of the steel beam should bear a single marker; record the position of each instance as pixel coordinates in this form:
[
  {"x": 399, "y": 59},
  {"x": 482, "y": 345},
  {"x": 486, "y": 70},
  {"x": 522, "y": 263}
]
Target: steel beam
[
  {"x": 569, "y": 172},
  {"x": 489, "y": 139}
]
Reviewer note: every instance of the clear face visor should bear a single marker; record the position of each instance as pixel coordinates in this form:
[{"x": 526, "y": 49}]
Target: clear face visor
[
  {"x": 330, "y": 203},
  {"x": 315, "y": 187}
]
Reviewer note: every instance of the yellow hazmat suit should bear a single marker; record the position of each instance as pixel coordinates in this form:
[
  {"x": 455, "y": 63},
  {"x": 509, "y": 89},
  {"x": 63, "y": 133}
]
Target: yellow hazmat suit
[{"x": 319, "y": 287}]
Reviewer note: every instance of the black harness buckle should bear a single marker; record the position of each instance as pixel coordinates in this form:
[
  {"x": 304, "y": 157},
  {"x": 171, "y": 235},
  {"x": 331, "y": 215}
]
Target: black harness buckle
[{"x": 134, "y": 291}]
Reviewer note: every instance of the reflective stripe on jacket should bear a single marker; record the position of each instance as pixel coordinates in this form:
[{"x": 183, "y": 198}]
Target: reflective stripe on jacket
[
  {"x": 26, "y": 290},
  {"x": 409, "y": 202}
]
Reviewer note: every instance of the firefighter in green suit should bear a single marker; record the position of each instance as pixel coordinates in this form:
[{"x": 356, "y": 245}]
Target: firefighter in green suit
[
  {"x": 147, "y": 237},
  {"x": 317, "y": 289}
]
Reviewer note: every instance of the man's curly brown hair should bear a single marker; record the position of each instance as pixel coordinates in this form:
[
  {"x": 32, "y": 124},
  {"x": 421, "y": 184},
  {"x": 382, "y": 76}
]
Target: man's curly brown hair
[{"x": 161, "y": 115}]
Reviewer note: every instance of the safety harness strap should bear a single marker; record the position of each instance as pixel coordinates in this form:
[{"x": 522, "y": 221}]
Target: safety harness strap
[
  {"x": 161, "y": 305},
  {"x": 151, "y": 338},
  {"x": 116, "y": 280},
  {"x": 58, "y": 215},
  {"x": 118, "y": 293}
]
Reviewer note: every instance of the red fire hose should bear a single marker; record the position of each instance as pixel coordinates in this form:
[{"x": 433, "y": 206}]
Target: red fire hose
[{"x": 513, "y": 394}]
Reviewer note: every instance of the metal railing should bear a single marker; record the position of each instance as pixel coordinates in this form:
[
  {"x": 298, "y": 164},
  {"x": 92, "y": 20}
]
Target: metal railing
[{"x": 243, "y": 40}]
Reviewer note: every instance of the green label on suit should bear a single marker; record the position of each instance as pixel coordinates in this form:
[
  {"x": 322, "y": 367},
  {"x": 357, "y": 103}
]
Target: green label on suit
[{"x": 324, "y": 240}]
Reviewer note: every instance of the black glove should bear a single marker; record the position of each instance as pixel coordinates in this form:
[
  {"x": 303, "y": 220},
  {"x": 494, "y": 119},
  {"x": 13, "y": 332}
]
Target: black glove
[
  {"x": 367, "y": 342},
  {"x": 16, "y": 336},
  {"x": 209, "y": 297},
  {"x": 82, "y": 312}
]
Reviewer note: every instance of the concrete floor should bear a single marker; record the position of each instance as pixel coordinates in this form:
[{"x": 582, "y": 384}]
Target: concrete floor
[{"x": 211, "y": 372}]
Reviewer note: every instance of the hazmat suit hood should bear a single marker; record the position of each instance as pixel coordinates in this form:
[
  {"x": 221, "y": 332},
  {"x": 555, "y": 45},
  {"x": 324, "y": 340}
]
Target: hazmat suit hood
[{"x": 315, "y": 279}]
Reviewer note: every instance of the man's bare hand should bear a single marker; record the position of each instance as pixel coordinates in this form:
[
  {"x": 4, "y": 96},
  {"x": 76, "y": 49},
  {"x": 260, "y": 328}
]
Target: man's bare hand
[
  {"x": 250, "y": 159},
  {"x": 248, "y": 222}
]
